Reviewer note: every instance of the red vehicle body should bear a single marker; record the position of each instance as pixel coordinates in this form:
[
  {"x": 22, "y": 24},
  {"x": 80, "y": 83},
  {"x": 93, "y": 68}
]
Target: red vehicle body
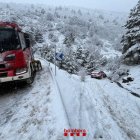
[
  {"x": 98, "y": 74},
  {"x": 15, "y": 54}
]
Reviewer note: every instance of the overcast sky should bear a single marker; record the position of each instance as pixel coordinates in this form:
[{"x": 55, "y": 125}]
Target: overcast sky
[{"x": 110, "y": 5}]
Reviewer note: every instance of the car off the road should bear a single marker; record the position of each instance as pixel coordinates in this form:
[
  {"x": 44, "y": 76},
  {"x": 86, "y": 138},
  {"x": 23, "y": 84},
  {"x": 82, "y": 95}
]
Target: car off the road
[{"x": 98, "y": 74}]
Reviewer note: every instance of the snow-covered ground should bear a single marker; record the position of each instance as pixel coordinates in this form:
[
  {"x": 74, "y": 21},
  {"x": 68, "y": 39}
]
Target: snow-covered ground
[
  {"x": 108, "y": 51},
  {"x": 33, "y": 113},
  {"x": 104, "y": 109},
  {"x": 134, "y": 86},
  {"x": 54, "y": 103}
]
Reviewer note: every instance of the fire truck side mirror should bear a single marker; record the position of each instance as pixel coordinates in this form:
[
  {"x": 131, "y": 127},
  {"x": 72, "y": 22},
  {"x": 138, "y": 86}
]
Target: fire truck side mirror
[{"x": 27, "y": 40}]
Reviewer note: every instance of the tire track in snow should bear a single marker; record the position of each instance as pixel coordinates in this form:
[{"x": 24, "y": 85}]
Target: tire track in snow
[
  {"x": 133, "y": 93},
  {"x": 114, "y": 114},
  {"x": 88, "y": 112},
  {"x": 102, "y": 107},
  {"x": 22, "y": 101},
  {"x": 32, "y": 119},
  {"x": 9, "y": 99},
  {"x": 60, "y": 93},
  {"x": 61, "y": 97}
]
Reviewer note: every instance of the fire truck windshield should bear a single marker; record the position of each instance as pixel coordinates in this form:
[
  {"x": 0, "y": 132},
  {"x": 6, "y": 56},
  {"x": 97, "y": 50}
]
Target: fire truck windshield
[{"x": 8, "y": 40}]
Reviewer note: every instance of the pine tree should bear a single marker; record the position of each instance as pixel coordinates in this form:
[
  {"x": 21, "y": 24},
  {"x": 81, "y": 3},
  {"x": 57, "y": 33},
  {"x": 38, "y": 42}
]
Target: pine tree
[
  {"x": 132, "y": 36},
  {"x": 69, "y": 40},
  {"x": 39, "y": 37}
]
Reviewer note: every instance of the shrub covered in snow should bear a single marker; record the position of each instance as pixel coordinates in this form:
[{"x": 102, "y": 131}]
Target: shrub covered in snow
[
  {"x": 118, "y": 73},
  {"x": 50, "y": 17},
  {"x": 114, "y": 63},
  {"x": 54, "y": 39},
  {"x": 82, "y": 73}
]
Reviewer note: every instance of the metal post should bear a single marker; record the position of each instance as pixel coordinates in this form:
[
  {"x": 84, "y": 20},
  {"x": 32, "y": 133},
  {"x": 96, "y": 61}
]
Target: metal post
[{"x": 55, "y": 60}]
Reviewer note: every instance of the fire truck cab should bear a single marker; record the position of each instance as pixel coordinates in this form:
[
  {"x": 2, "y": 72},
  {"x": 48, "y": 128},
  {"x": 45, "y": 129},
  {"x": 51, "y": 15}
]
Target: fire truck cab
[{"x": 16, "y": 55}]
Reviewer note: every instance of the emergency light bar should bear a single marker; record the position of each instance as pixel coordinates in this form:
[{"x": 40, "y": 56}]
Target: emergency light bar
[{"x": 9, "y": 24}]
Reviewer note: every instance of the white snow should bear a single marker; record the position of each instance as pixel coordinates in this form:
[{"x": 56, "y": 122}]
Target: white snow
[
  {"x": 134, "y": 48},
  {"x": 108, "y": 51},
  {"x": 54, "y": 103},
  {"x": 101, "y": 107},
  {"x": 134, "y": 86},
  {"x": 34, "y": 113}
]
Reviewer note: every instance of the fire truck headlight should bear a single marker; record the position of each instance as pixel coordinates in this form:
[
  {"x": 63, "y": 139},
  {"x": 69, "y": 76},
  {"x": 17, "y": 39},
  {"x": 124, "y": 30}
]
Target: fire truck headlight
[
  {"x": 21, "y": 71},
  {"x": 10, "y": 57}
]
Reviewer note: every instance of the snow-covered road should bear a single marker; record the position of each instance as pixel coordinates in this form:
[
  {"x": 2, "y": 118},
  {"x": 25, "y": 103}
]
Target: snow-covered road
[
  {"x": 54, "y": 103},
  {"x": 32, "y": 113}
]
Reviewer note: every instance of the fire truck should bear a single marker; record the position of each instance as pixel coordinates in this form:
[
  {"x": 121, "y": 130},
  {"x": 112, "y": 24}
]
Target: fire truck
[{"x": 16, "y": 57}]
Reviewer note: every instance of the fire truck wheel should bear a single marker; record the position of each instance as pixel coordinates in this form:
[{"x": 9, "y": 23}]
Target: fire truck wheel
[
  {"x": 39, "y": 66},
  {"x": 31, "y": 79}
]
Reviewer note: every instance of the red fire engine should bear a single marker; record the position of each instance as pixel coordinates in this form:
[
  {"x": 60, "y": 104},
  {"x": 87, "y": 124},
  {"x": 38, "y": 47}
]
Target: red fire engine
[{"x": 16, "y": 57}]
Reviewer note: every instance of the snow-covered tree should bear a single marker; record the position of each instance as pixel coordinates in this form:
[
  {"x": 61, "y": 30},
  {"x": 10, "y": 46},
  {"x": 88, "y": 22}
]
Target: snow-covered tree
[
  {"x": 54, "y": 39},
  {"x": 131, "y": 39},
  {"x": 76, "y": 21},
  {"x": 69, "y": 39},
  {"x": 50, "y": 17},
  {"x": 79, "y": 12},
  {"x": 39, "y": 37},
  {"x": 43, "y": 11}
]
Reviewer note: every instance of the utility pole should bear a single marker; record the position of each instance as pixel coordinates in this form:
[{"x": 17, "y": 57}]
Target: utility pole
[{"x": 55, "y": 60}]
